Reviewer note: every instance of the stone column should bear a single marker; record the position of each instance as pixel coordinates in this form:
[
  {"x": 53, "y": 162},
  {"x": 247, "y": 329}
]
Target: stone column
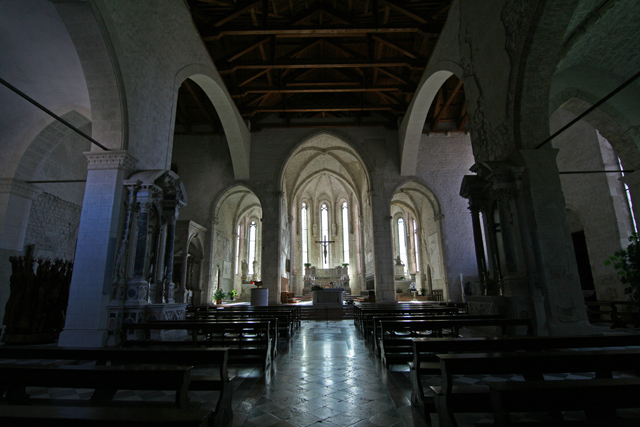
[
  {"x": 171, "y": 215},
  {"x": 548, "y": 247},
  {"x": 182, "y": 288},
  {"x": 16, "y": 198},
  {"x": 137, "y": 291},
  {"x": 270, "y": 260},
  {"x": 383, "y": 248},
  {"x": 86, "y": 321}
]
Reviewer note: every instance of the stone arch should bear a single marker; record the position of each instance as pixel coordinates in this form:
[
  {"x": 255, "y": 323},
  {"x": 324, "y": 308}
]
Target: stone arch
[
  {"x": 618, "y": 119},
  {"x": 411, "y": 127},
  {"x": 418, "y": 199},
  {"x": 535, "y": 69},
  {"x": 236, "y": 132},
  {"x": 90, "y": 29},
  {"x": 234, "y": 208},
  {"x": 324, "y": 167}
]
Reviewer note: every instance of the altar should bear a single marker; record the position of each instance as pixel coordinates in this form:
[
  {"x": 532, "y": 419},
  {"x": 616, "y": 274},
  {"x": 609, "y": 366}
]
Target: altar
[{"x": 328, "y": 297}]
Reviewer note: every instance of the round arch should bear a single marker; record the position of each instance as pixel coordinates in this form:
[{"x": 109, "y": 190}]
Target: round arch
[
  {"x": 411, "y": 127},
  {"x": 236, "y": 132}
]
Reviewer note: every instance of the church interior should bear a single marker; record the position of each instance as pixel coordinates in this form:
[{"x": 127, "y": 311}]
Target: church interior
[{"x": 164, "y": 156}]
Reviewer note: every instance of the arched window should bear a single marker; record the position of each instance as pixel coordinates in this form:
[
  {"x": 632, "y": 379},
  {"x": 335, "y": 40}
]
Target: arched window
[
  {"x": 303, "y": 220},
  {"x": 252, "y": 245},
  {"x": 345, "y": 233},
  {"x": 237, "y": 249},
  {"x": 417, "y": 248},
  {"x": 324, "y": 224},
  {"x": 402, "y": 243}
]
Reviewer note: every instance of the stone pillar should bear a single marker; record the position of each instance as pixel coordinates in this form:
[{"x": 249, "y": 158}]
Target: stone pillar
[
  {"x": 472, "y": 189},
  {"x": 182, "y": 288},
  {"x": 86, "y": 321},
  {"x": 16, "y": 198},
  {"x": 383, "y": 248},
  {"x": 171, "y": 215},
  {"x": 548, "y": 246},
  {"x": 270, "y": 260}
]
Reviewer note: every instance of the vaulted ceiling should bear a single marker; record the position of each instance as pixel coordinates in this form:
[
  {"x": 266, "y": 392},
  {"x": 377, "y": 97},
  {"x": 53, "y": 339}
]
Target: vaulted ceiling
[{"x": 290, "y": 63}]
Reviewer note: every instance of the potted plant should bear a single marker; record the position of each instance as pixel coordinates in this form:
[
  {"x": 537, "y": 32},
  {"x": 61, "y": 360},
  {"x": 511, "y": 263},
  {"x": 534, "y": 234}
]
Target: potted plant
[
  {"x": 316, "y": 287},
  {"x": 219, "y": 295},
  {"x": 345, "y": 264},
  {"x": 307, "y": 264},
  {"x": 423, "y": 292},
  {"x": 627, "y": 265},
  {"x": 232, "y": 295},
  {"x": 398, "y": 291}
]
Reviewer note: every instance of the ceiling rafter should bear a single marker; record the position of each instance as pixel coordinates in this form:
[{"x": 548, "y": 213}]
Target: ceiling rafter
[{"x": 438, "y": 116}]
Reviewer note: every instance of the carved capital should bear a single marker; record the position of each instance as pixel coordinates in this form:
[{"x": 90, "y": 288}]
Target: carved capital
[
  {"x": 19, "y": 188},
  {"x": 438, "y": 216},
  {"x": 114, "y": 159}
]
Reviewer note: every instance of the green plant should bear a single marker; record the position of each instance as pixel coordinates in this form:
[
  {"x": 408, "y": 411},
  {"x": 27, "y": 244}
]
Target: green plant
[
  {"x": 232, "y": 294},
  {"x": 627, "y": 265},
  {"x": 307, "y": 264},
  {"x": 316, "y": 287},
  {"x": 423, "y": 292},
  {"x": 345, "y": 264},
  {"x": 398, "y": 291},
  {"x": 219, "y": 294}
]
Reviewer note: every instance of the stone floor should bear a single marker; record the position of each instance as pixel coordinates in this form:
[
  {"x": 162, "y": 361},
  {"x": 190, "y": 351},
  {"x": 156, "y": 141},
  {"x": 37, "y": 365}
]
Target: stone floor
[{"x": 325, "y": 377}]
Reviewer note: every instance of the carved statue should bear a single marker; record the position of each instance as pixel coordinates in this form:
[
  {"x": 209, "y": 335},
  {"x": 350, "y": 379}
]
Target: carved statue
[
  {"x": 255, "y": 268},
  {"x": 245, "y": 268}
]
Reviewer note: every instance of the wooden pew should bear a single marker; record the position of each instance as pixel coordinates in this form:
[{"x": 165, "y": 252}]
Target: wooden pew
[
  {"x": 425, "y": 362},
  {"x": 69, "y": 416},
  {"x": 450, "y": 399},
  {"x": 106, "y": 380},
  {"x": 407, "y": 347},
  {"x": 293, "y": 313},
  {"x": 282, "y": 327},
  {"x": 605, "y": 394},
  {"x": 367, "y": 323},
  {"x": 249, "y": 342},
  {"x": 216, "y": 357},
  {"x": 396, "y": 335},
  {"x": 362, "y": 312}
]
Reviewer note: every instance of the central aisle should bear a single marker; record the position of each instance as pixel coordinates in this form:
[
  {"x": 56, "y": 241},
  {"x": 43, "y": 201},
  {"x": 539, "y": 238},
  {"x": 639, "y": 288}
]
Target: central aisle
[{"x": 325, "y": 377}]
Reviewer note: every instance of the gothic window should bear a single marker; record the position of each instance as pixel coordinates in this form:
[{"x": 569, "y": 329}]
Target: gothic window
[
  {"x": 324, "y": 225},
  {"x": 402, "y": 243},
  {"x": 252, "y": 245},
  {"x": 416, "y": 247},
  {"x": 628, "y": 194},
  {"x": 345, "y": 233},
  {"x": 237, "y": 249},
  {"x": 303, "y": 220}
]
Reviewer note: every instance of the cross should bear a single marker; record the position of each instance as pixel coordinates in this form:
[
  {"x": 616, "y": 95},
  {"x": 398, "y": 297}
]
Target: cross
[{"x": 325, "y": 244}]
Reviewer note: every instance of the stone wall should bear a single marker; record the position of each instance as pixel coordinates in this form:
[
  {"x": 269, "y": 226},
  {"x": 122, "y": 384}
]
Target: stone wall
[
  {"x": 597, "y": 199},
  {"x": 53, "y": 227}
]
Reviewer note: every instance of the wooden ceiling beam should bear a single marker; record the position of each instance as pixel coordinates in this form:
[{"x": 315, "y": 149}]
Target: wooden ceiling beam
[
  {"x": 320, "y": 63},
  {"x": 329, "y": 87},
  {"x": 244, "y": 6},
  {"x": 307, "y": 109},
  {"x": 200, "y": 104},
  {"x": 394, "y": 46},
  {"x": 393, "y": 75},
  {"x": 406, "y": 11},
  {"x": 252, "y": 78},
  {"x": 237, "y": 54},
  {"x": 312, "y": 31},
  {"x": 437, "y": 117}
]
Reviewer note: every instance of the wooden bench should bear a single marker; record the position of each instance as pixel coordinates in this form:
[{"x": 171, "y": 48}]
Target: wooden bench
[
  {"x": 450, "y": 399},
  {"x": 618, "y": 318},
  {"x": 249, "y": 342},
  {"x": 396, "y": 345},
  {"x": 598, "y": 398},
  {"x": 362, "y": 313},
  {"x": 407, "y": 347},
  {"x": 68, "y": 416},
  {"x": 367, "y": 323},
  {"x": 281, "y": 332},
  {"x": 105, "y": 380},
  {"x": 293, "y": 313},
  {"x": 210, "y": 357},
  {"x": 426, "y": 363}
]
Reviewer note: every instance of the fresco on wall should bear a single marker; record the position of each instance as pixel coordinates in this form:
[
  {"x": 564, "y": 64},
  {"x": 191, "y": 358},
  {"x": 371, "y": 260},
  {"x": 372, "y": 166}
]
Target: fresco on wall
[{"x": 223, "y": 247}]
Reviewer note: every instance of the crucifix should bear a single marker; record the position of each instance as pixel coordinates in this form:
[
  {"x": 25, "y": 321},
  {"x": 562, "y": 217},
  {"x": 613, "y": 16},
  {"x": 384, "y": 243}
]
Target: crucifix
[{"x": 325, "y": 244}]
